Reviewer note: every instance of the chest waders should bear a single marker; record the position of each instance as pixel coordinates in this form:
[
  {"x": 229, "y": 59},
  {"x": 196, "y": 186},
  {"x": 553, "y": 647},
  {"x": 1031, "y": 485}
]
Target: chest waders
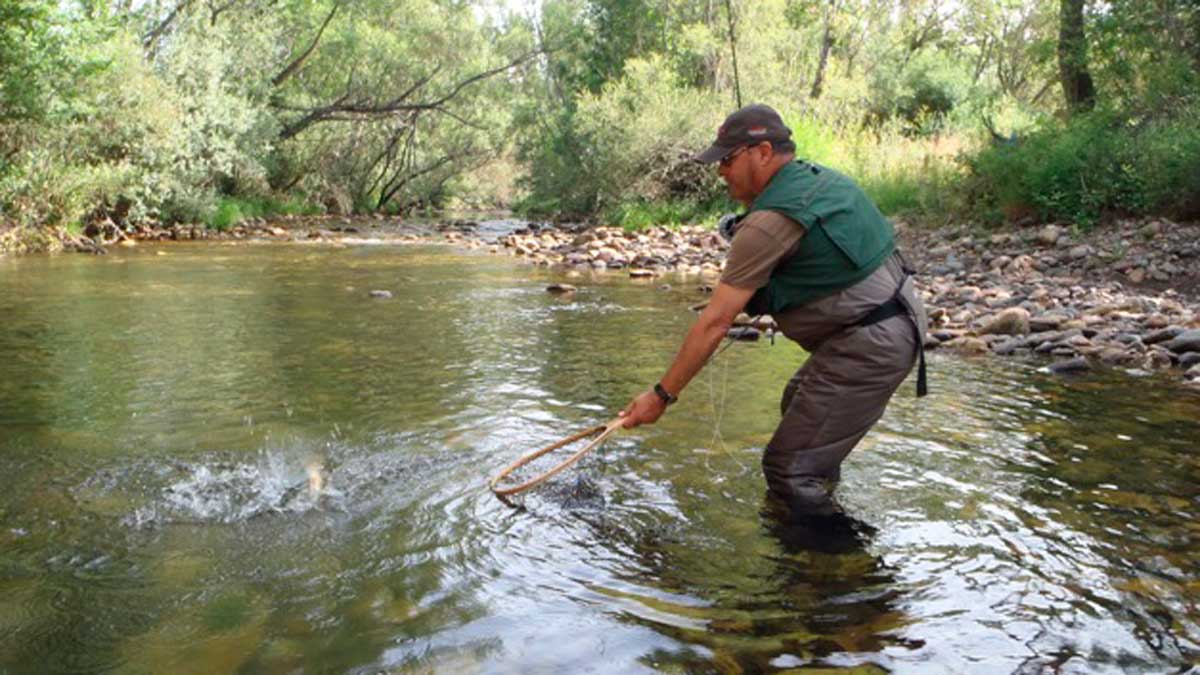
[
  {"x": 846, "y": 240},
  {"x": 894, "y": 306},
  {"x": 843, "y": 388}
]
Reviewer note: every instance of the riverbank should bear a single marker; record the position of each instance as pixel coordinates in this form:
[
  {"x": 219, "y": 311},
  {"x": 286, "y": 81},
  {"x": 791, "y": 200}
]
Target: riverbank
[{"x": 1120, "y": 296}]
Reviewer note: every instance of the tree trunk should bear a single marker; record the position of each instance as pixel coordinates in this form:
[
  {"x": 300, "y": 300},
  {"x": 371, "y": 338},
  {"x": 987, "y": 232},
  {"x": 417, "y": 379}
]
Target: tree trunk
[
  {"x": 1072, "y": 57},
  {"x": 826, "y": 46}
]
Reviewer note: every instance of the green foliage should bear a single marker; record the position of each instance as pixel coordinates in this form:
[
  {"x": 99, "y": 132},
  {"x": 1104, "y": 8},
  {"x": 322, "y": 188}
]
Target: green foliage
[
  {"x": 224, "y": 111},
  {"x": 1103, "y": 163},
  {"x": 232, "y": 210},
  {"x": 641, "y": 214},
  {"x": 29, "y": 54}
]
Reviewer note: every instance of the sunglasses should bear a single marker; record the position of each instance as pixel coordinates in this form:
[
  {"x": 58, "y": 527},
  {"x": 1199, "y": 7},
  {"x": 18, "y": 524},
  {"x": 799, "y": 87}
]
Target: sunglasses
[{"x": 727, "y": 160}]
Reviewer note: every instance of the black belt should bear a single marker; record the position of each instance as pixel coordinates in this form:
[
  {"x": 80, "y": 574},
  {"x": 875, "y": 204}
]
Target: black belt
[{"x": 892, "y": 308}]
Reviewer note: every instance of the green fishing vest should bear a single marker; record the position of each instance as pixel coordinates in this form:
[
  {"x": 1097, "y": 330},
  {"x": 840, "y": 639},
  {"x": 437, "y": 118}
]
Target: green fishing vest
[{"x": 846, "y": 237}]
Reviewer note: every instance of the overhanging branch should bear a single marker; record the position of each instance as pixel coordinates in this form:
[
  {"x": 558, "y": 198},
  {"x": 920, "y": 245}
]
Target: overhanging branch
[{"x": 343, "y": 108}]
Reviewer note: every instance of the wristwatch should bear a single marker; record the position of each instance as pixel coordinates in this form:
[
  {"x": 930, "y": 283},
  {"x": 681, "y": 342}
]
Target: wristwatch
[{"x": 667, "y": 397}]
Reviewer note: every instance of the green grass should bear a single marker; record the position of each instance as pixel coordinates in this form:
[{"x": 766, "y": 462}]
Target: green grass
[
  {"x": 232, "y": 210},
  {"x": 642, "y": 214}
]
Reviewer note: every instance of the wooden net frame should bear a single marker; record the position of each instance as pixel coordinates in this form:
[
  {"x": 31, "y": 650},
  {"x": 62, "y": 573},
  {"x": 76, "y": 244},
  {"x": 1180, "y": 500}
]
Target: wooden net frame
[{"x": 603, "y": 431}]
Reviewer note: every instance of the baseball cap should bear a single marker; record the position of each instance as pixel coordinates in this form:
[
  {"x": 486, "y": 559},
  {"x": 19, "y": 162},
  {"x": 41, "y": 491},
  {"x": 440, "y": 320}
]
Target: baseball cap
[{"x": 753, "y": 124}]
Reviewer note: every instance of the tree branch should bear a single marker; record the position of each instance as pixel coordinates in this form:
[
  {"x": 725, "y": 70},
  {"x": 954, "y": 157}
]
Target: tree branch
[
  {"x": 152, "y": 37},
  {"x": 400, "y": 103},
  {"x": 299, "y": 60}
]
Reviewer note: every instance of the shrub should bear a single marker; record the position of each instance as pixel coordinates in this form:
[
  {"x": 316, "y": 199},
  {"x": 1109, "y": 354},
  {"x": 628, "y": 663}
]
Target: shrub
[{"x": 1092, "y": 166}]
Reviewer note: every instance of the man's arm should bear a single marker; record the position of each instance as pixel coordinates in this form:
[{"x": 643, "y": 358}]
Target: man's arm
[{"x": 701, "y": 341}]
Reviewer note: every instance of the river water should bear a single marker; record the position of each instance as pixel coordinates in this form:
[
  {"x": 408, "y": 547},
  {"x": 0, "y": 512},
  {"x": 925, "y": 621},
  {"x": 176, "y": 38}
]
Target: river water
[{"x": 223, "y": 459}]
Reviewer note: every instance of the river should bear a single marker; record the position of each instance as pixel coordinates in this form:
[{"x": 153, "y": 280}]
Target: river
[{"x": 226, "y": 458}]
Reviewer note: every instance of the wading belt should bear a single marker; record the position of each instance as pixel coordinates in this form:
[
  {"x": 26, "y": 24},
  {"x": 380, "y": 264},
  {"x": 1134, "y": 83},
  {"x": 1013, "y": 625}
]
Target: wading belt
[{"x": 897, "y": 306}]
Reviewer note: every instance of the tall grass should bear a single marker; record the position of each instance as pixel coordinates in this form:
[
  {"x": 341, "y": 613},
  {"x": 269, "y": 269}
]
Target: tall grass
[{"x": 905, "y": 176}]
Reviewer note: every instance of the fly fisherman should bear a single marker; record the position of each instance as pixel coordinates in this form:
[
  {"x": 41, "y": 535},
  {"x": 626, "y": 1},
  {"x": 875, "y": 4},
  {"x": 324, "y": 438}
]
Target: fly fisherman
[{"x": 817, "y": 255}]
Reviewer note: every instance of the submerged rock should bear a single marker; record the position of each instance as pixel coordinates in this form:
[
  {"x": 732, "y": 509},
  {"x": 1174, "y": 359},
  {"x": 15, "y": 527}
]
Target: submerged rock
[
  {"x": 560, "y": 289},
  {"x": 381, "y": 294}
]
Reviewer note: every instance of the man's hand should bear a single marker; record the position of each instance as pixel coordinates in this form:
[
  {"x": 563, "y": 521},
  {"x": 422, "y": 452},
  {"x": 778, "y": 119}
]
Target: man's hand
[{"x": 645, "y": 409}]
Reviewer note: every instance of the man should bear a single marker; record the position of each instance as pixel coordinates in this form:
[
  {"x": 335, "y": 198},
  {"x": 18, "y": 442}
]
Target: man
[{"x": 816, "y": 254}]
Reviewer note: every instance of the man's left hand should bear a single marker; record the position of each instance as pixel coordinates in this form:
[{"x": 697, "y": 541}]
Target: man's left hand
[{"x": 645, "y": 409}]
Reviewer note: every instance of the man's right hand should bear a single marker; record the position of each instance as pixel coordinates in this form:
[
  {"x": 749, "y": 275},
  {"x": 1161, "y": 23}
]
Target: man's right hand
[{"x": 645, "y": 409}]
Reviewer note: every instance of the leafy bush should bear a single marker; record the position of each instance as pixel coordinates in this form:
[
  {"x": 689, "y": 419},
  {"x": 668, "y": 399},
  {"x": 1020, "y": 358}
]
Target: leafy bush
[{"x": 1095, "y": 165}]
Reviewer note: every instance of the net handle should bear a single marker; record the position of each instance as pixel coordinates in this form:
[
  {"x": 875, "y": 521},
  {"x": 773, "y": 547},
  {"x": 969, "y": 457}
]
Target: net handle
[{"x": 604, "y": 430}]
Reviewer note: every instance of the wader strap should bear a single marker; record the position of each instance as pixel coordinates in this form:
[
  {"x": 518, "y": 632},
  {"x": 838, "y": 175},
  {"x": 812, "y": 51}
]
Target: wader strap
[{"x": 892, "y": 308}]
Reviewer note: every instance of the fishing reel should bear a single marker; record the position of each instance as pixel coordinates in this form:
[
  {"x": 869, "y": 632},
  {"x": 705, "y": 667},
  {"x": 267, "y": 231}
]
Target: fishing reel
[{"x": 727, "y": 225}]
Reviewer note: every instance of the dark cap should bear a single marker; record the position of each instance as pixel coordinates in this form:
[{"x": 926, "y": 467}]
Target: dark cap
[{"x": 753, "y": 124}]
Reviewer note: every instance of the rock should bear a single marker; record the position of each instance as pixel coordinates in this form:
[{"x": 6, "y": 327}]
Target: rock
[
  {"x": 642, "y": 273},
  {"x": 1046, "y": 322},
  {"x": 1050, "y": 234},
  {"x": 1115, "y": 357},
  {"x": 381, "y": 294},
  {"x": 1187, "y": 341},
  {"x": 1012, "y": 321},
  {"x": 967, "y": 345},
  {"x": 1156, "y": 321},
  {"x": 1189, "y": 359},
  {"x": 1136, "y": 275},
  {"x": 1193, "y": 373},
  {"x": 1020, "y": 265},
  {"x": 1080, "y": 252},
  {"x": 560, "y": 289},
  {"x": 1076, "y": 365},
  {"x": 931, "y": 342},
  {"x": 1008, "y": 346}
]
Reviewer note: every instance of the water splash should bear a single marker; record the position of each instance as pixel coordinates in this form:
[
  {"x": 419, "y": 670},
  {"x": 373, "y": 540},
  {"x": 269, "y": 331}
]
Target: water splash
[{"x": 231, "y": 492}]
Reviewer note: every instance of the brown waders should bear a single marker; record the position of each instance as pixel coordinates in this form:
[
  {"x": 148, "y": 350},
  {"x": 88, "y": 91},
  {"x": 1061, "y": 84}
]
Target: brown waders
[{"x": 842, "y": 389}]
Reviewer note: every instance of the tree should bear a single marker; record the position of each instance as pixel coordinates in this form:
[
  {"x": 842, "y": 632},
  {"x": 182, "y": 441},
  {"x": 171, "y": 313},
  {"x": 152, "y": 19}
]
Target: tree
[{"x": 1073, "y": 70}]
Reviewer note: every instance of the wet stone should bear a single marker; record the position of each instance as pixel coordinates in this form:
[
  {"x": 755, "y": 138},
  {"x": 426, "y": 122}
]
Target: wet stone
[
  {"x": 560, "y": 289},
  {"x": 1187, "y": 341},
  {"x": 1189, "y": 359},
  {"x": 381, "y": 294},
  {"x": 1076, "y": 365}
]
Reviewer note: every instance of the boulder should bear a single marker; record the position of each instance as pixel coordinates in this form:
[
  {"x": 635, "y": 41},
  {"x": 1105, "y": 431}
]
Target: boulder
[
  {"x": 560, "y": 289},
  {"x": 1187, "y": 341},
  {"x": 1012, "y": 321}
]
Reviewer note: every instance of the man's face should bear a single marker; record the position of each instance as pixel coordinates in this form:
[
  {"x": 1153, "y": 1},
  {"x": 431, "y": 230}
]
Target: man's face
[{"x": 740, "y": 170}]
